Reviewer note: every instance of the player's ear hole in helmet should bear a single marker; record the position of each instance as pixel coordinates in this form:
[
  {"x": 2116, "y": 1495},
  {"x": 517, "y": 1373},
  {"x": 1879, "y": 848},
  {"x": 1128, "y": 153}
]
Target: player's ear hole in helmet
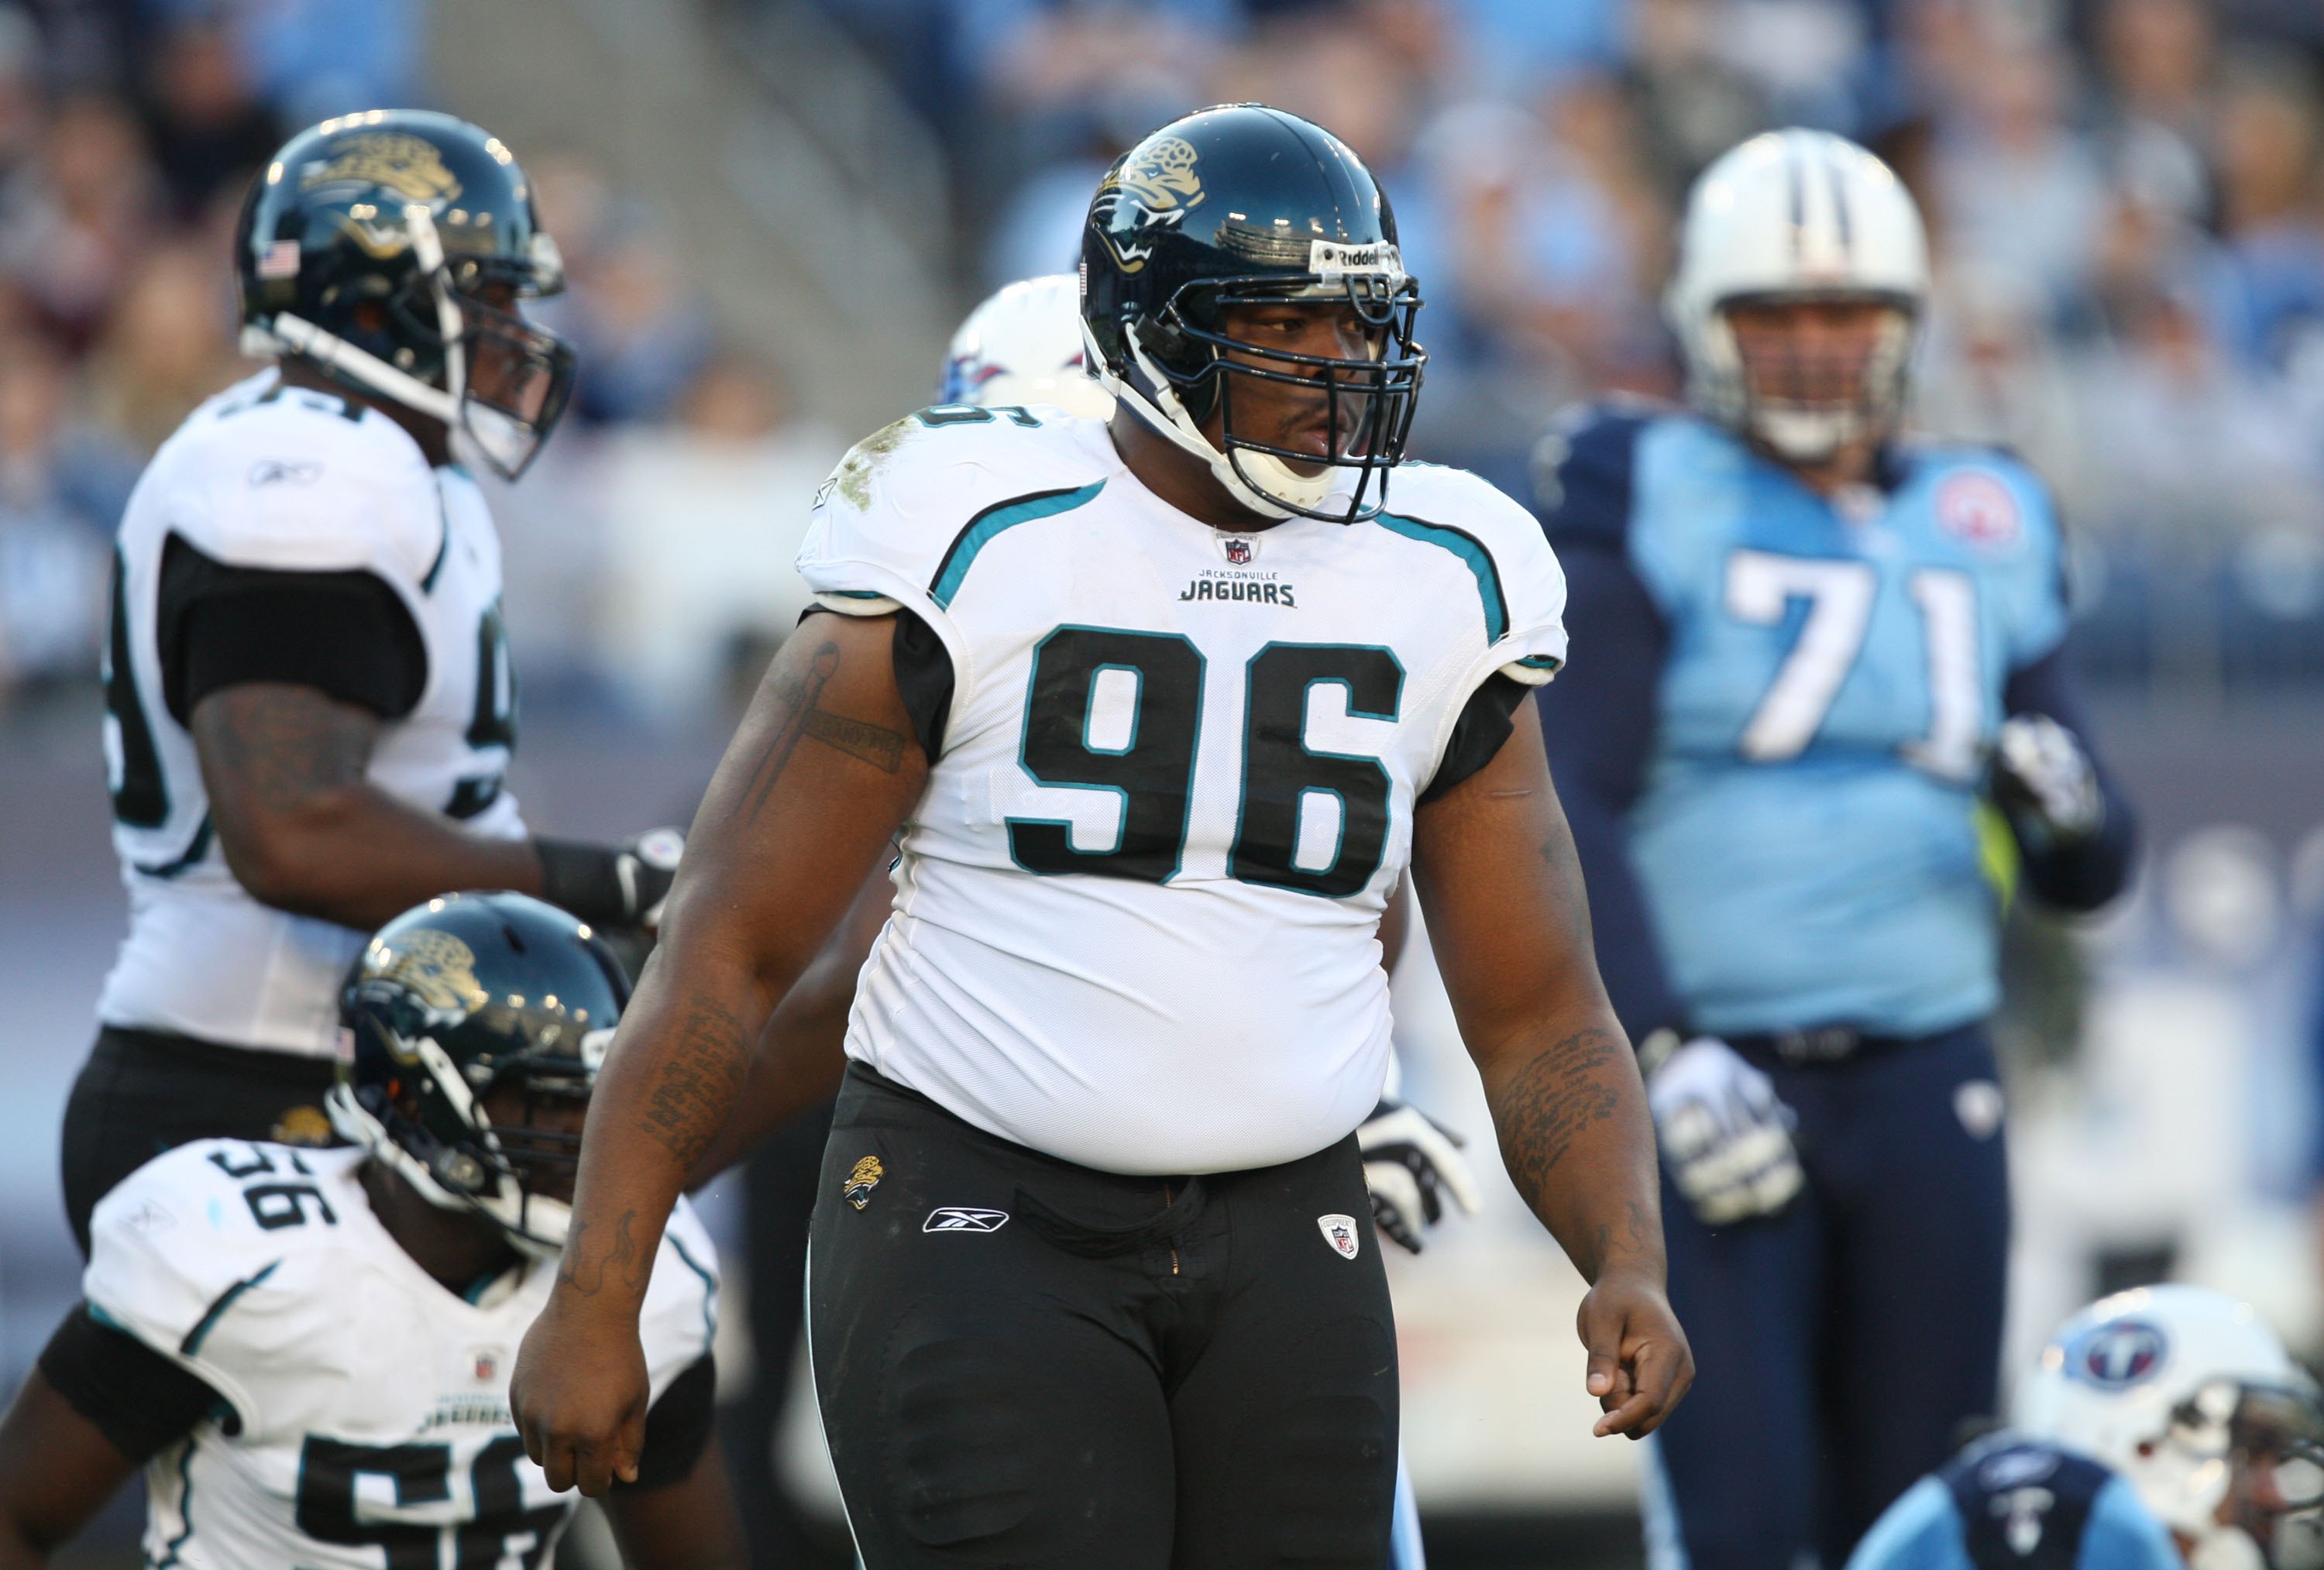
[
  {"x": 1206, "y": 245},
  {"x": 473, "y": 1030},
  {"x": 391, "y": 250}
]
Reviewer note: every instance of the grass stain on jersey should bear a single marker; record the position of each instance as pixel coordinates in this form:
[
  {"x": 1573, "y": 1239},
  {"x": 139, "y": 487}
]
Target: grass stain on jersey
[{"x": 864, "y": 459}]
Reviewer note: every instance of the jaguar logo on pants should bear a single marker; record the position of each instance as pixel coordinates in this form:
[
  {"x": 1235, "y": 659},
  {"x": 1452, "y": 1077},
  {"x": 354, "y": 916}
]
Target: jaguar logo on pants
[{"x": 1340, "y": 1231}]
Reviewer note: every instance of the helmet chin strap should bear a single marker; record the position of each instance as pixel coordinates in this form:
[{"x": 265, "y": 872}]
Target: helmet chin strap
[
  {"x": 286, "y": 333},
  {"x": 1164, "y": 412},
  {"x": 535, "y": 1226}
]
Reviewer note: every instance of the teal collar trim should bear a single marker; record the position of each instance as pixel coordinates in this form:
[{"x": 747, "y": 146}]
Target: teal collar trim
[
  {"x": 1473, "y": 555},
  {"x": 994, "y": 521}
]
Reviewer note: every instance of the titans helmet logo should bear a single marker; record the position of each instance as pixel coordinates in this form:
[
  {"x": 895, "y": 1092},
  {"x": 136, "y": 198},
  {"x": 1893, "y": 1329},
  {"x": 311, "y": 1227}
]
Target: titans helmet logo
[{"x": 1153, "y": 188}]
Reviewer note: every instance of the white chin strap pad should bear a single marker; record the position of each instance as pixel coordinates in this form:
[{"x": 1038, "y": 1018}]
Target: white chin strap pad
[{"x": 1164, "y": 412}]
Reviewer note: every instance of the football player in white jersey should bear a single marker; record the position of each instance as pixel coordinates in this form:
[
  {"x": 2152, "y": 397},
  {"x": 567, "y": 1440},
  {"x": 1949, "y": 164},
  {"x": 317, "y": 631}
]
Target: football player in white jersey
[
  {"x": 1162, "y": 708},
  {"x": 310, "y": 701},
  {"x": 308, "y": 1351}
]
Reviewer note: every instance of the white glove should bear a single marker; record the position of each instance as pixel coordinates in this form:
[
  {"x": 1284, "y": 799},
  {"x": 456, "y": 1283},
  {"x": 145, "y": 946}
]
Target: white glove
[
  {"x": 1410, "y": 1164},
  {"x": 646, "y": 867},
  {"x": 1727, "y": 1137},
  {"x": 2044, "y": 781}
]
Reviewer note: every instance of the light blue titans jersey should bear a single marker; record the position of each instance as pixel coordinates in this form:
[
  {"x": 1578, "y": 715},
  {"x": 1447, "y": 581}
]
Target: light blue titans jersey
[
  {"x": 1807, "y": 837},
  {"x": 2011, "y": 1503}
]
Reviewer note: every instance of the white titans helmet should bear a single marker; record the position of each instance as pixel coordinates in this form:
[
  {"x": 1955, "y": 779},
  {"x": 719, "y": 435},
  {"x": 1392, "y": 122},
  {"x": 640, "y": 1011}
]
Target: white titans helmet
[
  {"x": 1024, "y": 345},
  {"x": 1797, "y": 214},
  {"x": 2188, "y": 1395}
]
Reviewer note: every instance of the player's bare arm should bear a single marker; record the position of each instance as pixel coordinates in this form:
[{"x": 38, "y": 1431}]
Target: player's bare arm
[
  {"x": 304, "y": 831},
  {"x": 817, "y": 778},
  {"x": 802, "y": 1053},
  {"x": 1494, "y": 864},
  {"x": 687, "y": 1525},
  {"x": 57, "y": 1471}
]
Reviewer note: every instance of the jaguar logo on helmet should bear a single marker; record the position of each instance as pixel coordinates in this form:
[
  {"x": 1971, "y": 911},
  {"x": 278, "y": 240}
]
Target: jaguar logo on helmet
[
  {"x": 2117, "y": 1354},
  {"x": 439, "y": 968},
  {"x": 409, "y": 166},
  {"x": 1156, "y": 182}
]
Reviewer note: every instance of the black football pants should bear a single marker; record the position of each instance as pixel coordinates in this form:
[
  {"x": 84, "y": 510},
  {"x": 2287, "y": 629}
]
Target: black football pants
[
  {"x": 1024, "y": 1363},
  {"x": 141, "y": 1093}
]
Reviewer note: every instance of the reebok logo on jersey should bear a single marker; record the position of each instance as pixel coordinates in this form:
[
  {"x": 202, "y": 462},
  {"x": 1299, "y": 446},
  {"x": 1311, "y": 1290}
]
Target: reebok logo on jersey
[
  {"x": 1340, "y": 1231},
  {"x": 962, "y": 1218},
  {"x": 283, "y": 472},
  {"x": 1247, "y": 588}
]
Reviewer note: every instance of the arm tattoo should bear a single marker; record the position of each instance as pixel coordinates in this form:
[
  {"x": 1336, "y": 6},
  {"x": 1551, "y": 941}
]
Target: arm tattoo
[
  {"x": 876, "y": 745},
  {"x": 1553, "y": 1100},
  {"x": 285, "y": 744},
  {"x": 624, "y": 1259},
  {"x": 697, "y": 1083}
]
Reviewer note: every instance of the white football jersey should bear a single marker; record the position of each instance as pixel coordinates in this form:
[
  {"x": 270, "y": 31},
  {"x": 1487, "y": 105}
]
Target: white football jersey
[
  {"x": 1136, "y": 917},
  {"x": 366, "y": 1423},
  {"x": 273, "y": 477}
]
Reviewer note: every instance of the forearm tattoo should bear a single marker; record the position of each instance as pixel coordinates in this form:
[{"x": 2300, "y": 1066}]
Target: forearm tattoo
[
  {"x": 1553, "y": 1100},
  {"x": 697, "y": 1081},
  {"x": 587, "y": 1261},
  {"x": 283, "y": 745},
  {"x": 800, "y": 693}
]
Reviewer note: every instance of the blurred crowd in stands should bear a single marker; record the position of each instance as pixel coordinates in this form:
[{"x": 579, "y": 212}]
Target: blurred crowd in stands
[
  {"x": 2126, "y": 197},
  {"x": 129, "y": 132}
]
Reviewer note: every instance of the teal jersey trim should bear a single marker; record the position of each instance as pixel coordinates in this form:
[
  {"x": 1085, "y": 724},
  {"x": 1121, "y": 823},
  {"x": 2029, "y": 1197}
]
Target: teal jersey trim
[
  {"x": 171, "y": 1549},
  {"x": 1473, "y": 555},
  {"x": 989, "y": 524},
  {"x": 192, "y": 1344},
  {"x": 709, "y": 1293}
]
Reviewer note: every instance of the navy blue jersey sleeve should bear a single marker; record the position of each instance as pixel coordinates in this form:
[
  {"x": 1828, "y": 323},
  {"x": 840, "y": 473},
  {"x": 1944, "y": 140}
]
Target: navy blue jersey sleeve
[
  {"x": 1597, "y": 720},
  {"x": 2086, "y": 874},
  {"x": 1581, "y": 479}
]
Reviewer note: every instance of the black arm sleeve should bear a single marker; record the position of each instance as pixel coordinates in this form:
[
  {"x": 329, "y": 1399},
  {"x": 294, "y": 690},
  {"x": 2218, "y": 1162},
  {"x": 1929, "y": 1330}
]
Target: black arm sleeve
[
  {"x": 923, "y": 675},
  {"x": 1485, "y": 723},
  {"x": 346, "y": 633},
  {"x": 2087, "y": 873},
  {"x": 678, "y": 1428},
  {"x": 1597, "y": 720},
  {"x": 139, "y": 1400}
]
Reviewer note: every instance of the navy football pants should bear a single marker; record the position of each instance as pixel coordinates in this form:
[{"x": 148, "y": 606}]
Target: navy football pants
[{"x": 1841, "y": 1346}]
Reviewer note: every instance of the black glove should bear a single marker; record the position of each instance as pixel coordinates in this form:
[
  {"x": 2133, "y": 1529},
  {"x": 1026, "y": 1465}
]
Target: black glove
[{"x": 622, "y": 888}]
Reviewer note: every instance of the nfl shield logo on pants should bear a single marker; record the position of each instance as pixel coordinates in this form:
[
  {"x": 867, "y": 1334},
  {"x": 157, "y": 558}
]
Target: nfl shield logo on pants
[{"x": 1340, "y": 1231}]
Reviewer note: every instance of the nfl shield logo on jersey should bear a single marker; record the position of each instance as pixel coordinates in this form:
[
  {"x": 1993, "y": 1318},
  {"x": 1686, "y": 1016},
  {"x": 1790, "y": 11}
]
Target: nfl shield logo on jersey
[
  {"x": 1238, "y": 552},
  {"x": 1340, "y": 1231}
]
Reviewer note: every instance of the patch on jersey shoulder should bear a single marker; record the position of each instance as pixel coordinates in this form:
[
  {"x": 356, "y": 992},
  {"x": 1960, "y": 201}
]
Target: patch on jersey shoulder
[
  {"x": 1340, "y": 1231},
  {"x": 1975, "y": 507},
  {"x": 865, "y": 460}
]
